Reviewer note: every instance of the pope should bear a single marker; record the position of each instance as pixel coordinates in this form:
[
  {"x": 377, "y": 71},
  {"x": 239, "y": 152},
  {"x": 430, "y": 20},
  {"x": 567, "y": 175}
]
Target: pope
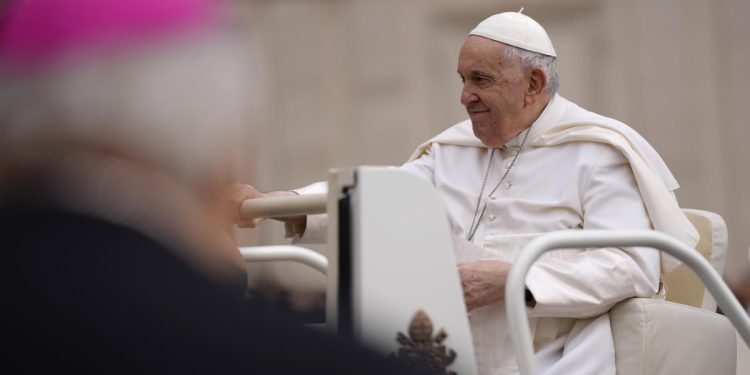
[{"x": 528, "y": 161}]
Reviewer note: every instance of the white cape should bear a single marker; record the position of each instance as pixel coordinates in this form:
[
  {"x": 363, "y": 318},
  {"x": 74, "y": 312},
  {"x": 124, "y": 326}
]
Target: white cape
[{"x": 652, "y": 175}]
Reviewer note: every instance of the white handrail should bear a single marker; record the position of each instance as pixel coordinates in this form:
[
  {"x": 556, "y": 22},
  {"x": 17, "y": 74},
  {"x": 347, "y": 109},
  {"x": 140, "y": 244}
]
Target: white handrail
[
  {"x": 293, "y": 205},
  {"x": 285, "y": 252},
  {"x": 515, "y": 286}
]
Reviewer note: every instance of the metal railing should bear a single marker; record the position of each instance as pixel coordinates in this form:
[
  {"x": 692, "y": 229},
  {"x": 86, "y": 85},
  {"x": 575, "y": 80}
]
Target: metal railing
[
  {"x": 515, "y": 286},
  {"x": 285, "y": 253},
  {"x": 284, "y": 206}
]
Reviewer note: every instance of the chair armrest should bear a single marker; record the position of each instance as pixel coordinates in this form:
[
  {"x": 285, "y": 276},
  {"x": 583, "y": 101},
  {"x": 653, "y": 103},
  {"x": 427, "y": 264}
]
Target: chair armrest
[{"x": 660, "y": 337}]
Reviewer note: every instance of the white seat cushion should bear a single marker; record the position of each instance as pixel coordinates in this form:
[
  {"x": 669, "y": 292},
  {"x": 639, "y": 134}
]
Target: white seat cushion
[{"x": 660, "y": 337}]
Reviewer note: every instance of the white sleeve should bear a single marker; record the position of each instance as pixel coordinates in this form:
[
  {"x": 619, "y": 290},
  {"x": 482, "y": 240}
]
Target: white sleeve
[
  {"x": 589, "y": 282},
  {"x": 316, "y": 229},
  {"x": 424, "y": 167}
]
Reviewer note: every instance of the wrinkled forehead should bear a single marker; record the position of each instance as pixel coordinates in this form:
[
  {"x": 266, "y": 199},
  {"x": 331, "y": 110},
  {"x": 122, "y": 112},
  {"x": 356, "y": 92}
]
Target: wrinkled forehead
[{"x": 479, "y": 52}]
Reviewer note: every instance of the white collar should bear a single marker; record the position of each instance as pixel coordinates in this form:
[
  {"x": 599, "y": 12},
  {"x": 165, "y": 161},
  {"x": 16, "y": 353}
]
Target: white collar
[{"x": 549, "y": 117}]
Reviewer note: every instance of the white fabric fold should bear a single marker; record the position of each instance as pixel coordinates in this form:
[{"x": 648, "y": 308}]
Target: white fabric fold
[{"x": 655, "y": 182}]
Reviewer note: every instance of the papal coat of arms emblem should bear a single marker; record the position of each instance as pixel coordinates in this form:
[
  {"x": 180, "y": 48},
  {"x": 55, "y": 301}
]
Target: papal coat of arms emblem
[{"x": 420, "y": 350}]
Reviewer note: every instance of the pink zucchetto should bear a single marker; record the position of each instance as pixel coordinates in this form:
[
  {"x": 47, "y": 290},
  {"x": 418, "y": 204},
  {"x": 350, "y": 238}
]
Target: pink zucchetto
[{"x": 37, "y": 33}]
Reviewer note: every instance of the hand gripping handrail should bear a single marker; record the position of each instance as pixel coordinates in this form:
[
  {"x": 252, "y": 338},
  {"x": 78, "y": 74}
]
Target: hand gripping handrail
[
  {"x": 285, "y": 252},
  {"x": 515, "y": 287},
  {"x": 293, "y": 205}
]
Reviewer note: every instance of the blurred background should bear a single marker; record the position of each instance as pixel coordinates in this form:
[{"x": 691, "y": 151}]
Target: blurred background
[{"x": 353, "y": 82}]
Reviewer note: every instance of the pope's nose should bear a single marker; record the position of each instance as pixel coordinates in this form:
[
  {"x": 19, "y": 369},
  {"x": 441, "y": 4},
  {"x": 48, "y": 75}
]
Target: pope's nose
[{"x": 467, "y": 97}]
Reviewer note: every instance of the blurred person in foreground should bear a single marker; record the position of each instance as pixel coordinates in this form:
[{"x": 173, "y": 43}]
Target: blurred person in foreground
[
  {"x": 117, "y": 124},
  {"x": 528, "y": 161}
]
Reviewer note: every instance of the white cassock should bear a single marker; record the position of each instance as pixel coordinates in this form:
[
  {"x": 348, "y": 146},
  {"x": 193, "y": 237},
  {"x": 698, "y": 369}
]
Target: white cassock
[{"x": 562, "y": 179}]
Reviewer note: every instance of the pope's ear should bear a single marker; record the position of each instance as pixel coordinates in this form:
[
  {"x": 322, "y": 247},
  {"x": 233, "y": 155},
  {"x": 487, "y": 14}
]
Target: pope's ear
[{"x": 537, "y": 81}]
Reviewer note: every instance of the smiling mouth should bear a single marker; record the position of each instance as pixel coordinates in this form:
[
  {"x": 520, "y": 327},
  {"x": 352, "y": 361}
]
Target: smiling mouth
[
  {"x": 478, "y": 112},
  {"x": 474, "y": 108}
]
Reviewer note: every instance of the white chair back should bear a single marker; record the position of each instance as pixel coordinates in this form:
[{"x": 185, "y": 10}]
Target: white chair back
[{"x": 683, "y": 286}]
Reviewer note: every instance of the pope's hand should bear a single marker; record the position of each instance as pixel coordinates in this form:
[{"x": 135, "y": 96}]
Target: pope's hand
[{"x": 483, "y": 282}]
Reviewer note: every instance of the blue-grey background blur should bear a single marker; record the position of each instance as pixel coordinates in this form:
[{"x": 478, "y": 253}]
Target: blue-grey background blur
[{"x": 352, "y": 82}]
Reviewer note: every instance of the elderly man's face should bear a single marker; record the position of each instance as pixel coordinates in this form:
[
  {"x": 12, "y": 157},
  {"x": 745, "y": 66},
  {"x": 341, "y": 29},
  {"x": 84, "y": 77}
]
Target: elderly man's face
[{"x": 493, "y": 92}]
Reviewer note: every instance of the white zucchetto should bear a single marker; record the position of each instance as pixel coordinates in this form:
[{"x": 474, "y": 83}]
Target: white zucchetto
[{"x": 517, "y": 30}]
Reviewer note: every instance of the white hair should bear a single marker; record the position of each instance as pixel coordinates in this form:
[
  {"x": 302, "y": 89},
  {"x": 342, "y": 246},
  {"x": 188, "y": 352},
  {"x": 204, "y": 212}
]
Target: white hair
[
  {"x": 531, "y": 60},
  {"x": 177, "y": 105}
]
